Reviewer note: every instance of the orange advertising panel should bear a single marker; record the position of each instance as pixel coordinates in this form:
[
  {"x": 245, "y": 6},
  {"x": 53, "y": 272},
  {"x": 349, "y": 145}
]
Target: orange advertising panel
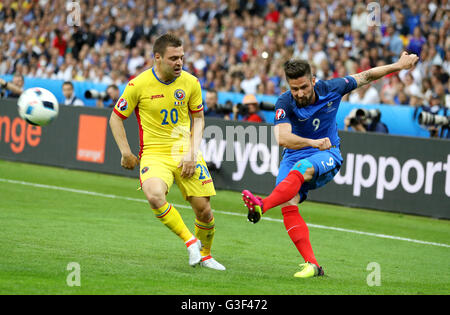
[{"x": 91, "y": 139}]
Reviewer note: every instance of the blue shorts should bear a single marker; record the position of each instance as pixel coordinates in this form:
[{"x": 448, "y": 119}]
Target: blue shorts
[{"x": 326, "y": 165}]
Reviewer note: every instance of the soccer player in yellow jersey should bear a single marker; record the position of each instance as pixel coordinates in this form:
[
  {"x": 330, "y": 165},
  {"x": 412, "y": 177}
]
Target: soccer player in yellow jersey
[{"x": 165, "y": 99}]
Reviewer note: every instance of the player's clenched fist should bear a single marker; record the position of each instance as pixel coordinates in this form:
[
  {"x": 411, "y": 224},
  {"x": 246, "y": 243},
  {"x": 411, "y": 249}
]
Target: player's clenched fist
[
  {"x": 129, "y": 161},
  {"x": 321, "y": 144},
  {"x": 407, "y": 61}
]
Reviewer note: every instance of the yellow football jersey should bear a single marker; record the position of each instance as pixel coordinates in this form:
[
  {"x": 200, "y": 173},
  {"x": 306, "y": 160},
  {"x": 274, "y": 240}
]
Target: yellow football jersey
[{"x": 162, "y": 111}]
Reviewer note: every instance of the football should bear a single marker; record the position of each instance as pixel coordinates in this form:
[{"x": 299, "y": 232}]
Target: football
[{"x": 38, "y": 106}]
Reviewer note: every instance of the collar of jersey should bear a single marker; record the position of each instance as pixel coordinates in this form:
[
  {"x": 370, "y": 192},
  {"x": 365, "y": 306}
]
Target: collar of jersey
[{"x": 166, "y": 83}]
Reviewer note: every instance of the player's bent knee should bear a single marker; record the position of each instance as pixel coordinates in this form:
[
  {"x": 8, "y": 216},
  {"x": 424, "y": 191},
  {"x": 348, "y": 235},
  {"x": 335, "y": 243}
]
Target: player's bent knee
[
  {"x": 309, "y": 174},
  {"x": 293, "y": 202},
  {"x": 305, "y": 168},
  {"x": 202, "y": 208},
  {"x": 156, "y": 201},
  {"x": 155, "y": 192}
]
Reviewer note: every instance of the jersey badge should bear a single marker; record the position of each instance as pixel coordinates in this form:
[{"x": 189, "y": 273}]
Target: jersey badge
[
  {"x": 180, "y": 94},
  {"x": 280, "y": 114},
  {"x": 122, "y": 104}
]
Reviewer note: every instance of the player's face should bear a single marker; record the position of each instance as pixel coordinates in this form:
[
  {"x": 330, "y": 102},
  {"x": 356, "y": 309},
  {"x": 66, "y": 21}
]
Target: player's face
[
  {"x": 67, "y": 91},
  {"x": 211, "y": 99},
  {"x": 302, "y": 90},
  {"x": 171, "y": 63}
]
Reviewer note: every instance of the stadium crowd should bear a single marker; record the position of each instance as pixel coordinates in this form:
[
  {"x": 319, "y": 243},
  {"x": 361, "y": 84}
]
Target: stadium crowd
[{"x": 232, "y": 45}]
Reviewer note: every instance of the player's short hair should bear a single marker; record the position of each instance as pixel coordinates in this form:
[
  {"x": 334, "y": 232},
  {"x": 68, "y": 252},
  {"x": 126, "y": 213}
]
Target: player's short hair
[
  {"x": 113, "y": 86},
  {"x": 297, "y": 68},
  {"x": 68, "y": 83},
  {"x": 164, "y": 41}
]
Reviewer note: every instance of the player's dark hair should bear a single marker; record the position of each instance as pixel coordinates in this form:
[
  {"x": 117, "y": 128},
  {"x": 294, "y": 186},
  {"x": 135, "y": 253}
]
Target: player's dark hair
[
  {"x": 164, "y": 41},
  {"x": 115, "y": 87},
  {"x": 297, "y": 68},
  {"x": 68, "y": 83}
]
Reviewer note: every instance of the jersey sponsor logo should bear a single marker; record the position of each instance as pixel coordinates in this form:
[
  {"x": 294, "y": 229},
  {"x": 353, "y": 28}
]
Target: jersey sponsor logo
[
  {"x": 329, "y": 104},
  {"x": 180, "y": 94},
  {"x": 122, "y": 104},
  {"x": 280, "y": 114},
  {"x": 157, "y": 96},
  {"x": 206, "y": 181},
  {"x": 144, "y": 170}
]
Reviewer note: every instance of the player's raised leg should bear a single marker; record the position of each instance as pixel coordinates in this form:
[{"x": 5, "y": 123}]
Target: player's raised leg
[
  {"x": 155, "y": 190},
  {"x": 286, "y": 190},
  {"x": 205, "y": 230}
]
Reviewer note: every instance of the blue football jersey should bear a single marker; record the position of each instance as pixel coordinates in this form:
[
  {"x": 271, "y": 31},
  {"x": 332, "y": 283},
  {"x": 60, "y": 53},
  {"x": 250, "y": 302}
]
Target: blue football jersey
[{"x": 316, "y": 120}]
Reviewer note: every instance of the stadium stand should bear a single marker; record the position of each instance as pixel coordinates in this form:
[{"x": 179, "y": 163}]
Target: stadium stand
[{"x": 231, "y": 45}]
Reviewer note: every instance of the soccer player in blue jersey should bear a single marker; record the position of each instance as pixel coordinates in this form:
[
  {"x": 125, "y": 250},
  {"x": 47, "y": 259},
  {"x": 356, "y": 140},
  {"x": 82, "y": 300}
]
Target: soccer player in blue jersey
[{"x": 305, "y": 124}]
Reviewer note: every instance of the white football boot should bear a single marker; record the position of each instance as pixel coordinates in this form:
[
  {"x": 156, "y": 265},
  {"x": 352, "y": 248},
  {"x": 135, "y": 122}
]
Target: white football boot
[
  {"x": 193, "y": 247},
  {"x": 211, "y": 263}
]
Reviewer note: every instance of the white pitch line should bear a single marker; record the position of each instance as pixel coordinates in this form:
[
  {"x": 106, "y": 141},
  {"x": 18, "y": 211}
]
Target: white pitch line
[{"x": 93, "y": 193}]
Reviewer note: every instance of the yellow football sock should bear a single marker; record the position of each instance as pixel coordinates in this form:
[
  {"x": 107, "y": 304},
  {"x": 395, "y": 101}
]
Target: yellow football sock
[
  {"x": 205, "y": 231},
  {"x": 171, "y": 218}
]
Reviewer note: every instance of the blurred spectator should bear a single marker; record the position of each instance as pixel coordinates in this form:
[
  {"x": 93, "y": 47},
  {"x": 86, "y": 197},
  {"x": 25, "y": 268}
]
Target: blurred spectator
[
  {"x": 250, "y": 84},
  {"x": 401, "y": 98},
  {"x": 113, "y": 95},
  {"x": 390, "y": 89},
  {"x": 249, "y": 110},
  {"x": 212, "y": 108},
  {"x": 416, "y": 42},
  {"x": 359, "y": 19},
  {"x": 273, "y": 15},
  {"x": 366, "y": 94},
  {"x": 393, "y": 43},
  {"x": 12, "y": 89},
  {"x": 435, "y": 107},
  {"x": 411, "y": 88},
  {"x": 69, "y": 95},
  {"x": 59, "y": 42},
  {"x": 441, "y": 95},
  {"x": 135, "y": 61},
  {"x": 365, "y": 121}
]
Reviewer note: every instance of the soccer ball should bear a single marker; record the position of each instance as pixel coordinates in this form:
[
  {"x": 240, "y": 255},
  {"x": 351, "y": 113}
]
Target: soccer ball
[{"x": 38, "y": 106}]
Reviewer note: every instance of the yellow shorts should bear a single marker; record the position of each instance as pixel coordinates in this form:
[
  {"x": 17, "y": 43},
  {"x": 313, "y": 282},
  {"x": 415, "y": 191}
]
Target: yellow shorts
[{"x": 166, "y": 168}]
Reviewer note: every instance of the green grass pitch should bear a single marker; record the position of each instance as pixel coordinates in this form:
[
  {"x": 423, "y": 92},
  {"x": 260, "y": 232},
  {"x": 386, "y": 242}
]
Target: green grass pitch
[{"x": 50, "y": 217}]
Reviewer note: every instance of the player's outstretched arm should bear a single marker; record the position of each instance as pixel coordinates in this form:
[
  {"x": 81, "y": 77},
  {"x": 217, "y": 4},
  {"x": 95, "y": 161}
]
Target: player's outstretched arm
[
  {"x": 129, "y": 160},
  {"x": 285, "y": 138},
  {"x": 11, "y": 86},
  {"x": 406, "y": 61}
]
